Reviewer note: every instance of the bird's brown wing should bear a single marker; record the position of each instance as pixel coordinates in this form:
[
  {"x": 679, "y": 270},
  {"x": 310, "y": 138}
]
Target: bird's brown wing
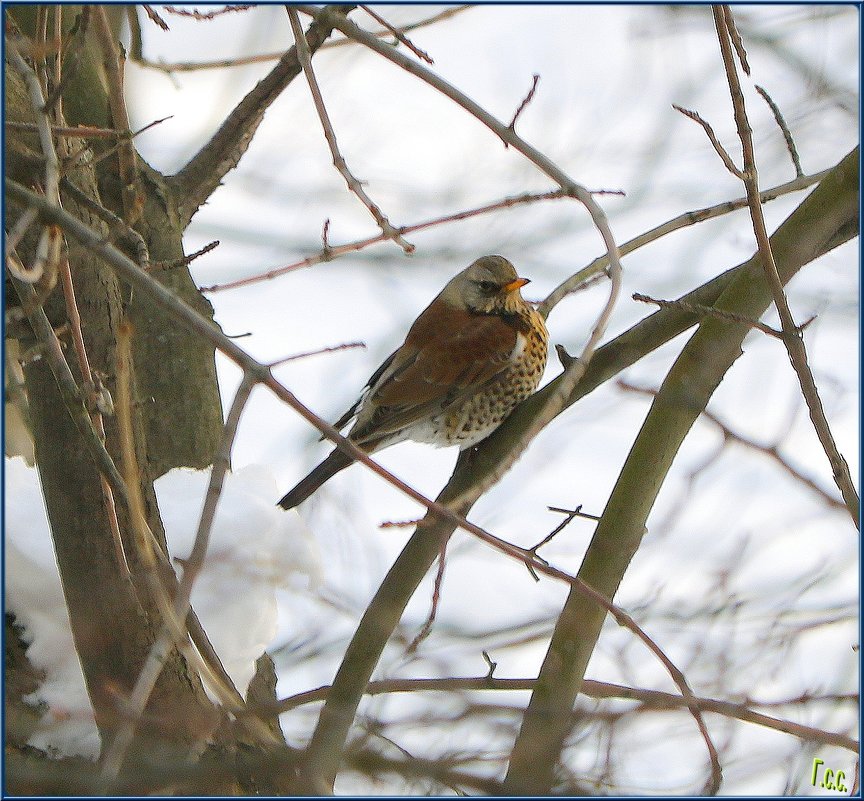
[
  {"x": 441, "y": 363},
  {"x": 343, "y": 420}
]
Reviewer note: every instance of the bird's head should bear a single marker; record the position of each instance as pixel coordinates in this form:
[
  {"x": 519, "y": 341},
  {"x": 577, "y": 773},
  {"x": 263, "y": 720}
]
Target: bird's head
[{"x": 490, "y": 285}]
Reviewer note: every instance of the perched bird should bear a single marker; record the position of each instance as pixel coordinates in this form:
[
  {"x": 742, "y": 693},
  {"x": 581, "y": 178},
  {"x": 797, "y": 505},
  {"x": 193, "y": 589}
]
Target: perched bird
[{"x": 476, "y": 351}]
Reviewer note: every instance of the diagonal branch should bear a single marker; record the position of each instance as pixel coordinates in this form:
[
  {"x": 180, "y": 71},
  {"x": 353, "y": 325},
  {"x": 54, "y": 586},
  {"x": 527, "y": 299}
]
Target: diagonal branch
[
  {"x": 330, "y": 135},
  {"x": 194, "y": 184},
  {"x": 792, "y": 337}
]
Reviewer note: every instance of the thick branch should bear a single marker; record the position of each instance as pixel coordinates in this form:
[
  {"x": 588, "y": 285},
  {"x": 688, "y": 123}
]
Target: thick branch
[{"x": 806, "y": 234}]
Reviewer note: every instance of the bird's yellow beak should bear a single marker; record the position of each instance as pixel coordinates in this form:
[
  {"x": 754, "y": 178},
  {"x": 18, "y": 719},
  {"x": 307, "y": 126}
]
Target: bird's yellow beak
[{"x": 516, "y": 283}]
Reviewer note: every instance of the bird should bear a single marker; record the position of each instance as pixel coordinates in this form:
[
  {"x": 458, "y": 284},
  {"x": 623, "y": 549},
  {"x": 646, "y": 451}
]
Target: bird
[{"x": 475, "y": 352}]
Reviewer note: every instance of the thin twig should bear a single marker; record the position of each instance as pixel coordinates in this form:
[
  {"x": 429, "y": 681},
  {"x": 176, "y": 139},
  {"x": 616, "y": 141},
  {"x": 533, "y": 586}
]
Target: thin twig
[
  {"x": 19, "y": 229},
  {"x": 161, "y": 266},
  {"x": 95, "y": 415},
  {"x": 400, "y": 36},
  {"x": 737, "y": 41},
  {"x": 570, "y": 516},
  {"x": 599, "y": 265},
  {"x": 76, "y": 132},
  {"x": 792, "y": 337},
  {"x": 426, "y": 628},
  {"x": 70, "y": 62},
  {"x": 209, "y": 15},
  {"x": 123, "y": 138},
  {"x": 709, "y": 311},
  {"x": 118, "y": 227},
  {"x": 715, "y": 142},
  {"x": 522, "y": 106},
  {"x": 330, "y": 252},
  {"x": 787, "y": 134},
  {"x": 126, "y": 156},
  {"x": 339, "y": 162},
  {"x": 223, "y": 63},
  {"x": 155, "y": 18},
  {"x": 317, "y": 352},
  {"x": 48, "y": 247}
]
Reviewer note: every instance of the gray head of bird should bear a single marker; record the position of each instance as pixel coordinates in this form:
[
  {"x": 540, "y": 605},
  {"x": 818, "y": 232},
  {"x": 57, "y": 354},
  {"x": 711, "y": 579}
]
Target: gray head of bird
[{"x": 490, "y": 285}]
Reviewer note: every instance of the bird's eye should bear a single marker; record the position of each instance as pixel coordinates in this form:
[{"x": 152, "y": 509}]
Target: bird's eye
[{"x": 487, "y": 287}]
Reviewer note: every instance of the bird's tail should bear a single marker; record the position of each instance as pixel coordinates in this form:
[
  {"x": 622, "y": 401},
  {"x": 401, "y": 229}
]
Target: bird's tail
[{"x": 336, "y": 461}]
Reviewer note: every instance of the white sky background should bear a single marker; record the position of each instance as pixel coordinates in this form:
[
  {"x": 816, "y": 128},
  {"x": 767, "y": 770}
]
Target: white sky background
[{"x": 603, "y": 113}]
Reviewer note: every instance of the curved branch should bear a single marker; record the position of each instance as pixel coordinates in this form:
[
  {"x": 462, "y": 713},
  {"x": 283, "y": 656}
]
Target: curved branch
[{"x": 650, "y": 699}]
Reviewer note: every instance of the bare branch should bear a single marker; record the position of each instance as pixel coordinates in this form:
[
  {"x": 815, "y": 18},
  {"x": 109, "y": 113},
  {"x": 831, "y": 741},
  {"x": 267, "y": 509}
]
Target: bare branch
[
  {"x": 524, "y": 104},
  {"x": 223, "y": 63},
  {"x": 715, "y": 142},
  {"x": 330, "y": 135},
  {"x": 118, "y": 227},
  {"x": 735, "y": 37},
  {"x": 69, "y": 57},
  {"x": 599, "y": 265},
  {"x": 154, "y": 17},
  {"x": 787, "y": 134},
  {"x": 127, "y": 162},
  {"x": 400, "y": 36},
  {"x": 426, "y": 628},
  {"x": 48, "y": 247},
  {"x": 209, "y": 15},
  {"x": 318, "y": 352},
  {"x": 330, "y": 252},
  {"x": 792, "y": 337},
  {"x": 185, "y": 261},
  {"x": 96, "y": 415},
  {"x": 709, "y": 311},
  {"x": 651, "y": 699}
]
